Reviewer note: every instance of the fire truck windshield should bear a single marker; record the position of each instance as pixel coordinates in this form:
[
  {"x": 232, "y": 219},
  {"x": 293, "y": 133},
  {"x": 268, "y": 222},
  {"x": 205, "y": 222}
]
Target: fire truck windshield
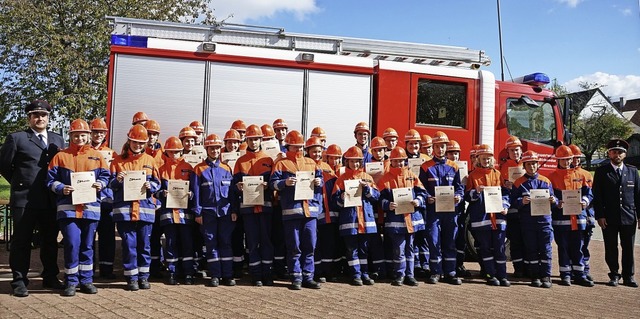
[{"x": 536, "y": 124}]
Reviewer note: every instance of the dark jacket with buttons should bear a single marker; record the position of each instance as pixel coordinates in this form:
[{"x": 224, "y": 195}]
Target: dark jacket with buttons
[{"x": 616, "y": 198}]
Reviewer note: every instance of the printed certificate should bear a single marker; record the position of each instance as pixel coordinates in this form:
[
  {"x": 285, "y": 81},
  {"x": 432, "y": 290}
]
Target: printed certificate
[
  {"x": 445, "y": 201},
  {"x": 403, "y": 197},
  {"x": 375, "y": 169},
  {"x": 178, "y": 194},
  {"x": 414, "y": 165},
  {"x": 515, "y": 173},
  {"x": 571, "y": 202},
  {"x": 304, "y": 185},
  {"x": 107, "y": 155},
  {"x": 134, "y": 185},
  {"x": 352, "y": 193},
  {"x": 252, "y": 191},
  {"x": 193, "y": 159},
  {"x": 82, "y": 191},
  {"x": 200, "y": 150},
  {"x": 231, "y": 158},
  {"x": 540, "y": 204},
  {"x": 492, "y": 199},
  {"x": 463, "y": 169},
  {"x": 271, "y": 148}
]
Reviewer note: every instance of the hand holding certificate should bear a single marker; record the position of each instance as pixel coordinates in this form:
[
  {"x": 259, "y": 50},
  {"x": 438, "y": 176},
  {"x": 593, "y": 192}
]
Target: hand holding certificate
[
  {"x": 492, "y": 199},
  {"x": 133, "y": 185},
  {"x": 304, "y": 188},
  {"x": 540, "y": 205},
  {"x": 352, "y": 193},
  {"x": 571, "y": 202},
  {"x": 83, "y": 190},
  {"x": 177, "y": 194},
  {"x": 445, "y": 199},
  {"x": 403, "y": 198},
  {"x": 252, "y": 190}
]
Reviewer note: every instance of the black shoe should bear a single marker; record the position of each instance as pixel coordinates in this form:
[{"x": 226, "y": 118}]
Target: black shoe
[
  {"x": 536, "y": 283},
  {"x": 630, "y": 282},
  {"x": 20, "y": 291},
  {"x": 214, "y": 282},
  {"x": 368, "y": 281},
  {"x": 172, "y": 279},
  {"x": 589, "y": 278},
  {"x": 453, "y": 280},
  {"x": 144, "y": 284},
  {"x": 398, "y": 281},
  {"x": 52, "y": 283},
  {"x": 311, "y": 284},
  {"x": 584, "y": 282},
  {"x": 321, "y": 280},
  {"x": 88, "y": 289},
  {"x": 69, "y": 291},
  {"x": 433, "y": 279},
  {"x": 461, "y": 271},
  {"x": 613, "y": 282},
  {"x": 188, "y": 280},
  {"x": 565, "y": 281},
  {"x": 228, "y": 282},
  {"x": 132, "y": 285},
  {"x": 257, "y": 283},
  {"x": 504, "y": 282},
  {"x": 296, "y": 285},
  {"x": 410, "y": 281},
  {"x": 546, "y": 282},
  {"x": 493, "y": 281},
  {"x": 356, "y": 282}
]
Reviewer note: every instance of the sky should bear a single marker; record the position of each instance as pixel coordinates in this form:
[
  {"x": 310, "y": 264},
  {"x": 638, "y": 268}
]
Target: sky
[{"x": 572, "y": 41}]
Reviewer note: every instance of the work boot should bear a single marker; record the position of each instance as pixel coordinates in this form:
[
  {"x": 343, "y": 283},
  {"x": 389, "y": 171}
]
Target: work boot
[
  {"x": 132, "y": 285},
  {"x": 214, "y": 282},
  {"x": 172, "y": 279},
  {"x": 228, "y": 282},
  {"x": 565, "y": 281},
  {"x": 584, "y": 282},
  {"x": 410, "y": 281},
  {"x": 504, "y": 282},
  {"x": 257, "y": 283},
  {"x": 398, "y": 281},
  {"x": 356, "y": 282},
  {"x": 536, "y": 283},
  {"x": 630, "y": 282},
  {"x": 296, "y": 285},
  {"x": 188, "y": 280},
  {"x": 69, "y": 291},
  {"x": 144, "y": 283},
  {"x": 493, "y": 281},
  {"x": 461, "y": 271},
  {"x": 453, "y": 280},
  {"x": 311, "y": 284},
  {"x": 21, "y": 291},
  {"x": 367, "y": 280},
  {"x": 433, "y": 279},
  {"x": 88, "y": 289},
  {"x": 546, "y": 282}
]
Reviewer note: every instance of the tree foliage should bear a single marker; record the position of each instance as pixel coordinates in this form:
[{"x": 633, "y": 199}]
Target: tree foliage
[
  {"x": 592, "y": 133},
  {"x": 58, "y": 50}
]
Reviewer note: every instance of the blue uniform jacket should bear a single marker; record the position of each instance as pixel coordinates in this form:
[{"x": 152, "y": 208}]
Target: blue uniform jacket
[
  {"x": 210, "y": 183},
  {"x": 521, "y": 188},
  {"x": 287, "y": 167}
]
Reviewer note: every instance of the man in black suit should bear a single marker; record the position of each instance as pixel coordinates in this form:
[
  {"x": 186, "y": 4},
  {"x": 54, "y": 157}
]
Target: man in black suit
[
  {"x": 616, "y": 200},
  {"x": 24, "y": 160}
]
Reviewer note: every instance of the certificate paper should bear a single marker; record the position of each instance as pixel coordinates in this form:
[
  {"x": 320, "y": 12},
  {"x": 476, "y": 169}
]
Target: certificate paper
[
  {"x": 178, "y": 194},
  {"x": 193, "y": 159},
  {"x": 231, "y": 158},
  {"x": 107, "y": 156},
  {"x": 352, "y": 193},
  {"x": 375, "y": 169},
  {"x": 271, "y": 148},
  {"x": 199, "y": 150},
  {"x": 414, "y": 165},
  {"x": 252, "y": 191},
  {"x": 82, "y": 191},
  {"x": 304, "y": 185},
  {"x": 540, "y": 205},
  {"x": 515, "y": 173},
  {"x": 571, "y": 202},
  {"x": 445, "y": 201},
  {"x": 403, "y": 197},
  {"x": 463, "y": 169},
  {"x": 492, "y": 199},
  {"x": 134, "y": 185}
]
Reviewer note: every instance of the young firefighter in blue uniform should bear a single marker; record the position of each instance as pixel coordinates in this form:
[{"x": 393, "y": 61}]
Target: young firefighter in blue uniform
[
  {"x": 299, "y": 216},
  {"x": 210, "y": 183},
  {"x": 78, "y": 222},
  {"x": 357, "y": 223},
  {"x": 536, "y": 230},
  {"x": 257, "y": 219},
  {"x": 134, "y": 218},
  {"x": 442, "y": 227},
  {"x": 453, "y": 154},
  {"x": 362, "y": 134},
  {"x": 401, "y": 227},
  {"x": 513, "y": 146},
  {"x": 489, "y": 228},
  {"x": 591, "y": 220},
  {"x": 413, "y": 146},
  {"x": 380, "y": 257},
  {"x": 177, "y": 223},
  {"x": 568, "y": 230}
]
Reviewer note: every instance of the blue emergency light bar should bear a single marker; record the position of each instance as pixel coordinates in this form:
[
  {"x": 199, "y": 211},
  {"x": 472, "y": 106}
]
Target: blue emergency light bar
[
  {"x": 535, "y": 79},
  {"x": 129, "y": 40}
]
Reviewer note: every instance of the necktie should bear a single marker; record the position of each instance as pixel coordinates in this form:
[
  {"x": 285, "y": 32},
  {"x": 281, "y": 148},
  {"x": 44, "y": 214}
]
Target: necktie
[
  {"x": 619, "y": 171},
  {"x": 42, "y": 142}
]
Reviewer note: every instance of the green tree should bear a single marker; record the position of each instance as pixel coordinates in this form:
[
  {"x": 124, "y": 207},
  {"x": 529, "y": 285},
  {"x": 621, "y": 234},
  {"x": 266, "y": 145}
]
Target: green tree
[
  {"x": 58, "y": 50},
  {"x": 591, "y": 133}
]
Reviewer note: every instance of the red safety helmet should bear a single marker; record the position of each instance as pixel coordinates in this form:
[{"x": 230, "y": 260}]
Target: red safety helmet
[
  {"x": 173, "y": 144},
  {"x": 138, "y": 133},
  {"x": 152, "y": 126},
  {"x": 378, "y": 142},
  {"x": 398, "y": 153},
  {"x": 254, "y": 131},
  {"x": 412, "y": 135},
  {"x": 197, "y": 126},
  {"x": 576, "y": 150},
  {"x": 294, "y": 138},
  {"x": 334, "y": 150},
  {"x": 98, "y": 125},
  {"x": 512, "y": 141},
  {"x": 232, "y": 135},
  {"x": 79, "y": 125},
  {"x": 239, "y": 126},
  {"x": 213, "y": 140},
  {"x": 362, "y": 126},
  {"x": 319, "y": 132},
  {"x": 390, "y": 132},
  {"x": 484, "y": 149},
  {"x": 453, "y": 146},
  {"x": 353, "y": 152},
  {"x": 279, "y": 123},
  {"x": 426, "y": 140},
  {"x": 187, "y": 131},
  {"x": 267, "y": 131},
  {"x": 313, "y": 141},
  {"x": 563, "y": 152},
  {"x": 139, "y": 117},
  {"x": 529, "y": 156},
  {"x": 440, "y": 137}
]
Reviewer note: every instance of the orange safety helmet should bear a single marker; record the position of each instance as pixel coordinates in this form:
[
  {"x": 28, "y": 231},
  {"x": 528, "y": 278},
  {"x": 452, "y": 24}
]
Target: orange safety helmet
[
  {"x": 425, "y": 140},
  {"x": 440, "y": 137},
  {"x": 213, "y": 140},
  {"x": 334, "y": 150},
  {"x": 378, "y": 142},
  {"x": 232, "y": 135},
  {"x": 412, "y": 135},
  {"x": 152, "y": 126},
  {"x": 239, "y": 125},
  {"x": 362, "y": 126},
  {"x": 576, "y": 150},
  {"x": 279, "y": 123},
  {"x": 474, "y": 150},
  {"x": 294, "y": 138},
  {"x": 529, "y": 156},
  {"x": 79, "y": 125},
  {"x": 139, "y": 117},
  {"x": 197, "y": 126},
  {"x": 512, "y": 141},
  {"x": 254, "y": 131},
  {"x": 398, "y": 153},
  {"x": 353, "y": 152},
  {"x": 563, "y": 152},
  {"x": 173, "y": 144},
  {"x": 390, "y": 132},
  {"x": 187, "y": 131},
  {"x": 313, "y": 141},
  {"x": 319, "y": 132},
  {"x": 453, "y": 146},
  {"x": 138, "y": 133},
  {"x": 267, "y": 131},
  {"x": 484, "y": 149},
  {"x": 98, "y": 125}
]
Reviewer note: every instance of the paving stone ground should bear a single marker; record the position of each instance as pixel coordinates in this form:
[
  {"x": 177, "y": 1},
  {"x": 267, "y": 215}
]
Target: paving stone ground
[{"x": 473, "y": 299}]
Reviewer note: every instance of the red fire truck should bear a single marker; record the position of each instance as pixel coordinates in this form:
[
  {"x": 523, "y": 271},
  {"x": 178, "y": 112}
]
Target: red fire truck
[{"x": 178, "y": 73}]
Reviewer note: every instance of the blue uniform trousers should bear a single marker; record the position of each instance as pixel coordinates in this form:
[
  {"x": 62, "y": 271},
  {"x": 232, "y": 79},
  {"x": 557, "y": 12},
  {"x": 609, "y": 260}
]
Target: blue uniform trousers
[
  {"x": 537, "y": 250},
  {"x": 586, "y": 255},
  {"x": 376, "y": 254},
  {"x": 217, "y": 233},
  {"x": 106, "y": 239},
  {"x": 179, "y": 242},
  {"x": 136, "y": 248},
  {"x": 300, "y": 236},
  {"x": 357, "y": 253},
  {"x": 403, "y": 255},
  {"x": 77, "y": 236},
  {"x": 258, "y": 232},
  {"x": 492, "y": 251},
  {"x": 442, "y": 230},
  {"x": 570, "y": 252}
]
